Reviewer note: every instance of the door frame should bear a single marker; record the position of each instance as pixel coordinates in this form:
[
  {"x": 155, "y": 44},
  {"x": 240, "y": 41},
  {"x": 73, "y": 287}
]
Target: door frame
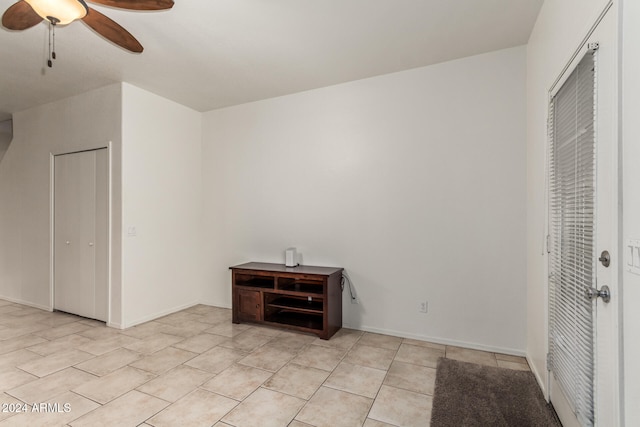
[
  {"x": 615, "y": 391},
  {"x": 71, "y": 150}
]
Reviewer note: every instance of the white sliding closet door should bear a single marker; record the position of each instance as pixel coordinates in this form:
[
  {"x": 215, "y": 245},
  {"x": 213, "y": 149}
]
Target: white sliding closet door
[{"x": 80, "y": 233}]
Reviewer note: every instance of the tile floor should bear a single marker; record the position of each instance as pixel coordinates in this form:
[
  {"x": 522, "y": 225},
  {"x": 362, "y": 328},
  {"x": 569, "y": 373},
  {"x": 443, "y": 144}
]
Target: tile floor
[{"x": 196, "y": 368}]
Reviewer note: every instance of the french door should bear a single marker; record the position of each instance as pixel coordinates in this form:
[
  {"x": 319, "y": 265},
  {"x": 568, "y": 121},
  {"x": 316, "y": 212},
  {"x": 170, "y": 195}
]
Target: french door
[{"x": 583, "y": 228}]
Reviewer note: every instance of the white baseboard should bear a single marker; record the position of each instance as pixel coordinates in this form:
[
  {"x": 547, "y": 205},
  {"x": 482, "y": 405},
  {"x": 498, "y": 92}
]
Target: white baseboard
[
  {"x": 28, "y": 303},
  {"x": 444, "y": 341},
  {"x": 539, "y": 379},
  {"x": 154, "y": 316}
]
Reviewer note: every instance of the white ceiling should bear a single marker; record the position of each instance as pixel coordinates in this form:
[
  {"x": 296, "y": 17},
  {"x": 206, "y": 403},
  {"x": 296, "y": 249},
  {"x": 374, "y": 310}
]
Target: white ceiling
[{"x": 208, "y": 54}]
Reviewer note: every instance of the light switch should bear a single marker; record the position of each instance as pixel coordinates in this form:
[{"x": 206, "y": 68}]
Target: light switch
[
  {"x": 132, "y": 231},
  {"x": 632, "y": 253}
]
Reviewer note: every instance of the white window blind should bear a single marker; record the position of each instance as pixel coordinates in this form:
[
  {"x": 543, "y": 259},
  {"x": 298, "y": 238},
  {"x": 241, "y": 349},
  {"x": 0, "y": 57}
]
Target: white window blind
[{"x": 572, "y": 227}]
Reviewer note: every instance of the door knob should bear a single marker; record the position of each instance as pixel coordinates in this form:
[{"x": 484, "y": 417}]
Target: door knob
[
  {"x": 90, "y": 243},
  {"x": 605, "y": 258},
  {"x": 593, "y": 293},
  {"x": 68, "y": 242}
]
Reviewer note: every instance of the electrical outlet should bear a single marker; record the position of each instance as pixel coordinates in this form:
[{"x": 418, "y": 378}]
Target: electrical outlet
[{"x": 423, "y": 307}]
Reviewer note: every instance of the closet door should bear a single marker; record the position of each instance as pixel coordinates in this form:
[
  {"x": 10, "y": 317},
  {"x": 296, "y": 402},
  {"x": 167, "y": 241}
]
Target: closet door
[{"x": 80, "y": 233}]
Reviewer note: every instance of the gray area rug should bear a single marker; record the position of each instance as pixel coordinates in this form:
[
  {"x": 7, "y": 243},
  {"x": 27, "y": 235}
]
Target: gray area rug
[{"x": 467, "y": 394}]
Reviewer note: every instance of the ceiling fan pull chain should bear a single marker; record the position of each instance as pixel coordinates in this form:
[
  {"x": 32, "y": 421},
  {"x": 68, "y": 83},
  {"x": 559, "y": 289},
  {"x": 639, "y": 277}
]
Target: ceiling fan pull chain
[
  {"x": 53, "y": 53},
  {"x": 49, "y": 63}
]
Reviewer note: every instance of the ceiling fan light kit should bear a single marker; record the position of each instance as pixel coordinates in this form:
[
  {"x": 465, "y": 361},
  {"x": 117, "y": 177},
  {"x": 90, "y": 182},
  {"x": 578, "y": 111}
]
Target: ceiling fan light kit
[
  {"x": 61, "y": 12},
  {"x": 27, "y": 13}
]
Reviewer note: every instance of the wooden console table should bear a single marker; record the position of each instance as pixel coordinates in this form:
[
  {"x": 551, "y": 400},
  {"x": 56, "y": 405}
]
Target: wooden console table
[{"x": 303, "y": 298}]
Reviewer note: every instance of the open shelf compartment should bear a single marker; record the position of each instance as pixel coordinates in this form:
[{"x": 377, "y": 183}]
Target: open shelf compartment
[
  {"x": 255, "y": 281},
  {"x": 295, "y": 303},
  {"x": 308, "y": 286}
]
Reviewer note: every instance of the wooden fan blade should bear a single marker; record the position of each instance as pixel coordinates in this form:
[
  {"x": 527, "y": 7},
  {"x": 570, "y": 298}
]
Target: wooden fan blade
[
  {"x": 137, "y": 4},
  {"x": 20, "y": 16},
  {"x": 111, "y": 30}
]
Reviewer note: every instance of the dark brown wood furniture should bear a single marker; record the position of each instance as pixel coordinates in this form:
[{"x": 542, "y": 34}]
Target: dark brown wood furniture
[{"x": 303, "y": 298}]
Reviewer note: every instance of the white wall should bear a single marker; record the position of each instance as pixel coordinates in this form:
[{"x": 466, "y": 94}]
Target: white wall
[
  {"x": 631, "y": 203},
  {"x": 162, "y": 199},
  {"x": 414, "y": 182},
  {"x": 80, "y": 122},
  {"x": 558, "y": 32}
]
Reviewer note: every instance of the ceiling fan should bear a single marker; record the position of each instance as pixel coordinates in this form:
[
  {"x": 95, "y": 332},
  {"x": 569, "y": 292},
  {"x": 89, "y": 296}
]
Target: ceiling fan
[{"x": 27, "y": 13}]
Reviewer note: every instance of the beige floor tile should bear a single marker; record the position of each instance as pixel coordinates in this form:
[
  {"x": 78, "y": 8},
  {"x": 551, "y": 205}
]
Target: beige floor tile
[
  {"x": 13, "y": 378},
  {"x": 510, "y": 358},
  {"x": 237, "y": 381},
  {"x": 401, "y": 407},
  {"x": 296, "y": 380},
  {"x": 268, "y": 330},
  {"x": 107, "y": 345},
  {"x": 246, "y": 341},
  {"x": 93, "y": 323},
  {"x": 200, "y": 309},
  {"x": 145, "y": 330},
  {"x": 12, "y": 331},
  {"x": 421, "y": 343},
  {"x": 163, "y": 360},
  {"x": 61, "y": 331},
  {"x": 17, "y": 357},
  {"x": 59, "y": 411},
  {"x": 375, "y": 423},
  {"x": 176, "y": 383},
  {"x": 291, "y": 342},
  {"x": 185, "y": 329},
  {"x": 109, "y": 362},
  {"x": 113, "y": 385},
  {"x": 58, "y": 318},
  {"x": 228, "y": 330},
  {"x": 179, "y": 317},
  {"x": 513, "y": 365},
  {"x": 51, "y": 386},
  {"x": 267, "y": 358},
  {"x": 200, "y": 408},
  {"x": 60, "y": 344},
  {"x": 335, "y": 408},
  {"x": 373, "y": 357},
  {"x": 54, "y": 362},
  {"x": 11, "y": 360},
  {"x": 265, "y": 408},
  {"x": 356, "y": 379},
  {"x": 99, "y": 332},
  {"x": 471, "y": 356},
  {"x": 154, "y": 343},
  {"x": 296, "y": 423},
  {"x": 326, "y": 358},
  {"x": 129, "y": 410},
  {"x": 420, "y": 379},
  {"x": 216, "y": 317},
  {"x": 200, "y": 343},
  {"x": 417, "y": 355},
  {"x": 344, "y": 338},
  {"x": 20, "y": 343},
  {"x": 383, "y": 341},
  {"x": 216, "y": 360}
]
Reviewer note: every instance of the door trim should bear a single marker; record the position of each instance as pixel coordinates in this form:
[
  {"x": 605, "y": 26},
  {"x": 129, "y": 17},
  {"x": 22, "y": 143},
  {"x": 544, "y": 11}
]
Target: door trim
[{"x": 52, "y": 155}]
